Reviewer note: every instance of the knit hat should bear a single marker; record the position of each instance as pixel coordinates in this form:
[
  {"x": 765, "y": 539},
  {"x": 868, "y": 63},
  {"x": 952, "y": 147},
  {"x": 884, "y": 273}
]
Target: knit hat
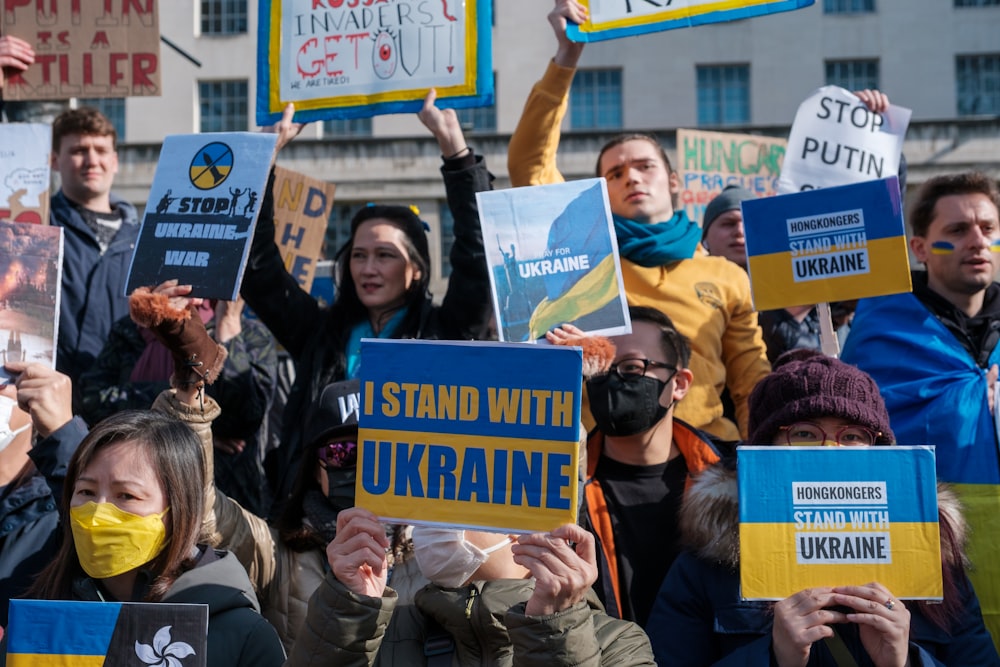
[
  {"x": 806, "y": 385},
  {"x": 727, "y": 200},
  {"x": 335, "y": 414}
]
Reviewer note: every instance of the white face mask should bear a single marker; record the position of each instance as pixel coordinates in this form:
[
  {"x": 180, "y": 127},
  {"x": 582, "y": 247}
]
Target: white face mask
[
  {"x": 446, "y": 558},
  {"x": 6, "y": 435}
]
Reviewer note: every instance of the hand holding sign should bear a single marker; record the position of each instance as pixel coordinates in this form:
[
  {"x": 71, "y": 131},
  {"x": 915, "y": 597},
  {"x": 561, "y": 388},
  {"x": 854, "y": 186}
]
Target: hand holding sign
[
  {"x": 564, "y": 565},
  {"x": 801, "y": 620},
  {"x": 357, "y": 554},
  {"x": 884, "y": 621},
  {"x": 444, "y": 125},
  {"x": 15, "y": 55},
  {"x": 564, "y": 12}
]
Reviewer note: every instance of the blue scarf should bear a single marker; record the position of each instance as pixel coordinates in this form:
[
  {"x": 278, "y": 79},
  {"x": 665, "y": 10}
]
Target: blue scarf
[
  {"x": 364, "y": 330},
  {"x": 659, "y": 243}
]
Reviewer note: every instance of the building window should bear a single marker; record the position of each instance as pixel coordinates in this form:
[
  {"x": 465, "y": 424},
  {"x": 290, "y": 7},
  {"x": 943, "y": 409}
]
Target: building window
[
  {"x": 223, "y": 106},
  {"x": 977, "y": 3},
  {"x": 595, "y": 100},
  {"x": 113, "y": 108},
  {"x": 338, "y": 228},
  {"x": 223, "y": 17},
  {"x": 347, "y": 127},
  {"x": 848, "y": 6},
  {"x": 723, "y": 94},
  {"x": 852, "y": 74},
  {"x": 978, "y": 81}
]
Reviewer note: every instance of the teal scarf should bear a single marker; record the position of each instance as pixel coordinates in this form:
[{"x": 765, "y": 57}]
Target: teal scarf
[
  {"x": 364, "y": 330},
  {"x": 659, "y": 243}
]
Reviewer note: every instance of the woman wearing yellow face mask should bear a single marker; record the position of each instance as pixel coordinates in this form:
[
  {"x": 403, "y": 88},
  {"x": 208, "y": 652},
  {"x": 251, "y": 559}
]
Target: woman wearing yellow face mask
[
  {"x": 699, "y": 619},
  {"x": 133, "y": 506}
]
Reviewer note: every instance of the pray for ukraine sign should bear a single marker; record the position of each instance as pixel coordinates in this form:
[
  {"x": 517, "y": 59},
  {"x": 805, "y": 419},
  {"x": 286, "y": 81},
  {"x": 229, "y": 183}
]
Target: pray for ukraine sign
[
  {"x": 469, "y": 434},
  {"x": 838, "y": 516}
]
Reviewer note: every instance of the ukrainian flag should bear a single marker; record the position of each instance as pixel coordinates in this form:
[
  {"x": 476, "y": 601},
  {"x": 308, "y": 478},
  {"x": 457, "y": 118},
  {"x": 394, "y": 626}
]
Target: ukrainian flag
[{"x": 44, "y": 633}]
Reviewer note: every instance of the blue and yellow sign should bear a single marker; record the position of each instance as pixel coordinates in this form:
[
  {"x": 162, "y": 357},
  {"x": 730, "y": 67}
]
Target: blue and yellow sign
[
  {"x": 838, "y": 516},
  {"x": 479, "y": 435},
  {"x": 833, "y": 244},
  {"x": 611, "y": 20},
  {"x": 211, "y": 165}
]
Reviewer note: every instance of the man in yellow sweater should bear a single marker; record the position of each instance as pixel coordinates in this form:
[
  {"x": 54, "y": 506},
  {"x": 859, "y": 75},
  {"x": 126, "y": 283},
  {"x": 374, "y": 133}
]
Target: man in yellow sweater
[{"x": 708, "y": 298}]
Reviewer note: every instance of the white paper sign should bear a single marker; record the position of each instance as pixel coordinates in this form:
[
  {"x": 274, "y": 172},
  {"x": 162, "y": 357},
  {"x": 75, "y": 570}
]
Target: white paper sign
[
  {"x": 836, "y": 140},
  {"x": 24, "y": 172}
]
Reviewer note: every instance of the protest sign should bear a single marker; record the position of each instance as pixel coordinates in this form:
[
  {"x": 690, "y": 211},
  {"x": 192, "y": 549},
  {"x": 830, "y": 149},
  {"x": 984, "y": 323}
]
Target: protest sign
[
  {"x": 359, "y": 58},
  {"x": 472, "y": 434},
  {"x": 301, "y": 208},
  {"x": 30, "y": 286},
  {"x": 838, "y": 516},
  {"x": 836, "y": 140},
  {"x": 203, "y": 205},
  {"x": 85, "y": 49},
  {"x": 60, "y": 632},
  {"x": 611, "y": 19},
  {"x": 833, "y": 244},
  {"x": 553, "y": 259},
  {"x": 24, "y": 172},
  {"x": 710, "y": 161}
]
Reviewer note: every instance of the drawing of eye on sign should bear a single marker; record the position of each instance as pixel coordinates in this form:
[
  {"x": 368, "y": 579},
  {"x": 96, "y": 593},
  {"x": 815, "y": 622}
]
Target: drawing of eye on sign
[
  {"x": 361, "y": 58},
  {"x": 611, "y": 19}
]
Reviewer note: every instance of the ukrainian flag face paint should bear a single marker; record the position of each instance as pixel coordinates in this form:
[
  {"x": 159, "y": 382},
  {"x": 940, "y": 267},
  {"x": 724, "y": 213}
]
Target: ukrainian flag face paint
[
  {"x": 946, "y": 248},
  {"x": 995, "y": 246}
]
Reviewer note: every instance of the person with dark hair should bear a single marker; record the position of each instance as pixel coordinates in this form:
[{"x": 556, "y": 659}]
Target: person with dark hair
[
  {"x": 133, "y": 506},
  {"x": 383, "y": 273},
  {"x": 699, "y": 619},
  {"x": 662, "y": 265},
  {"x": 640, "y": 459},
  {"x": 100, "y": 231},
  {"x": 935, "y": 356}
]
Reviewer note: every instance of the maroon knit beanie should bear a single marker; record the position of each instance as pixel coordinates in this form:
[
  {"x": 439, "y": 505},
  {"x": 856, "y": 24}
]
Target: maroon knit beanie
[{"x": 807, "y": 385}]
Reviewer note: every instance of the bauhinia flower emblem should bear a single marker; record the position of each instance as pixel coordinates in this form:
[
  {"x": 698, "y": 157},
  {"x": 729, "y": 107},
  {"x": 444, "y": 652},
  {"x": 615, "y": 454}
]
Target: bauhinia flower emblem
[{"x": 163, "y": 653}]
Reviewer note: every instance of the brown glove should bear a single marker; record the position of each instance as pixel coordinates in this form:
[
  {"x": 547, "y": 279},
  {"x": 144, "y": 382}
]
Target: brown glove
[{"x": 198, "y": 358}]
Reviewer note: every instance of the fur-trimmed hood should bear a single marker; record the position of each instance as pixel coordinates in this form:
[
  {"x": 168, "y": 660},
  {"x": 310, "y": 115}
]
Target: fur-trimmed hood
[{"x": 709, "y": 518}]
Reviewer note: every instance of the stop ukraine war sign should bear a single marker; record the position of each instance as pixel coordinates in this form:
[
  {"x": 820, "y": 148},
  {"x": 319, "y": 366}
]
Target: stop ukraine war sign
[
  {"x": 838, "y": 516},
  {"x": 833, "y": 244},
  {"x": 470, "y": 434}
]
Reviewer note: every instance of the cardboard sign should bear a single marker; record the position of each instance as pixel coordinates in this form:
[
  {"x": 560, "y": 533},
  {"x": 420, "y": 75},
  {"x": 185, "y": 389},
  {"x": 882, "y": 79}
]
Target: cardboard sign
[
  {"x": 360, "y": 58},
  {"x": 836, "y": 140},
  {"x": 30, "y": 286},
  {"x": 24, "y": 172},
  {"x": 471, "y": 434},
  {"x": 203, "y": 205},
  {"x": 553, "y": 259},
  {"x": 85, "y": 49},
  {"x": 833, "y": 244},
  {"x": 301, "y": 209},
  {"x": 59, "y": 632},
  {"x": 838, "y": 516},
  {"x": 710, "y": 161},
  {"x": 611, "y": 19}
]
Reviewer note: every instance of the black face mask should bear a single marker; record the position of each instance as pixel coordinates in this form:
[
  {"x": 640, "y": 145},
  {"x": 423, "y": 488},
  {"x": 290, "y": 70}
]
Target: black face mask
[
  {"x": 625, "y": 407},
  {"x": 341, "y": 485}
]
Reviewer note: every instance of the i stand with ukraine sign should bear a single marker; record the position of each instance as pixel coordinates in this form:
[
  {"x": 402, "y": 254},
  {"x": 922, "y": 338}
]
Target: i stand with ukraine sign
[
  {"x": 469, "y": 434},
  {"x": 838, "y": 516}
]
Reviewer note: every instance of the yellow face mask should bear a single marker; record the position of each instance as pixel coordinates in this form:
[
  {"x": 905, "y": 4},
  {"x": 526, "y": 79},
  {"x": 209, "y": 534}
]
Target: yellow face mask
[{"x": 110, "y": 541}]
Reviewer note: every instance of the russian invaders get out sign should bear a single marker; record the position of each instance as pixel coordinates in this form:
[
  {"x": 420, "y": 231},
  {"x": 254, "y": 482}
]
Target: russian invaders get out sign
[
  {"x": 838, "y": 516},
  {"x": 833, "y": 244},
  {"x": 477, "y": 435}
]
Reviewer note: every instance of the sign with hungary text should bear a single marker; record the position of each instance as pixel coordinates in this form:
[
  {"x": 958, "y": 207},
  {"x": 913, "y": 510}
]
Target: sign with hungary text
[
  {"x": 838, "y": 516},
  {"x": 469, "y": 434},
  {"x": 833, "y": 244}
]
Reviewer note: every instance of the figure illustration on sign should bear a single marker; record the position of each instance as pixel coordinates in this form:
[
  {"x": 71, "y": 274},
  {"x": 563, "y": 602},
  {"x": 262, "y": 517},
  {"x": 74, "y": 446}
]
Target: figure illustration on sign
[
  {"x": 384, "y": 56},
  {"x": 237, "y": 193},
  {"x": 516, "y": 304},
  {"x": 251, "y": 205},
  {"x": 165, "y": 202}
]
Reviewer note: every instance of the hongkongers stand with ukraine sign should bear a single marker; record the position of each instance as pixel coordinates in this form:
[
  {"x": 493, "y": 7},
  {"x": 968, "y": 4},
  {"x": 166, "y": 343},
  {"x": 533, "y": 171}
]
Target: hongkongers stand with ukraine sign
[
  {"x": 831, "y": 516},
  {"x": 611, "y": 19},
  {"x": 357, "y": 59},
  {"x": 808, "y": 248},
  {"x": 474, "y": 435}
]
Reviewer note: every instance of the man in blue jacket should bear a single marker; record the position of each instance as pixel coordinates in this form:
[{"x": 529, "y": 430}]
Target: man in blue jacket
[{"x": 100, "y": 233}]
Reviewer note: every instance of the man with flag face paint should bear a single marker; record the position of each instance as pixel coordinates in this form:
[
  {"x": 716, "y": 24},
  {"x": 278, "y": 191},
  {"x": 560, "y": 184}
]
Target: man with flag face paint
[
  {"x": 639, "y": 460},
  {"x": 934, "y": 355}
]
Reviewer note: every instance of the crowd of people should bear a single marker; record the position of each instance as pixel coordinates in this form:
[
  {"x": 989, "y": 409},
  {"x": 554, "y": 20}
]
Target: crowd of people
[{"x": 135, "y": 470}]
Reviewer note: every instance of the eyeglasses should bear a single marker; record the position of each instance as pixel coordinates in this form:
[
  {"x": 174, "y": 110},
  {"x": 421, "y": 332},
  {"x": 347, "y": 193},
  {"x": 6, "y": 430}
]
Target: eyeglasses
[
  {"x": 627, "y": 369},
  {"x": 338, "y": 454},
  {"x": 808, "y": 433}
]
